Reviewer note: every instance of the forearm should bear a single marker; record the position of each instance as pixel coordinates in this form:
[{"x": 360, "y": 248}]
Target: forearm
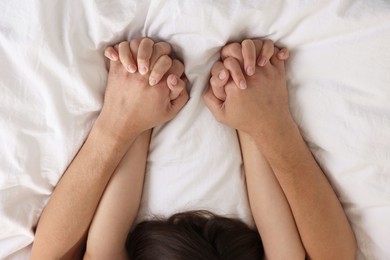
[
  {"x": 269, "y": 206},
  {"x": 321, "y": 221},
  {"x": 119, "y": 205},
  {"x": 67, "y": 216}
]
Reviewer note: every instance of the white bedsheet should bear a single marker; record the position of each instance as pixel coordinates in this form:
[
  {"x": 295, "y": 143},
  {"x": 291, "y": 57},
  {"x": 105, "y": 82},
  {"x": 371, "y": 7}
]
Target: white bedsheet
[{"x": 52, "y": 80}]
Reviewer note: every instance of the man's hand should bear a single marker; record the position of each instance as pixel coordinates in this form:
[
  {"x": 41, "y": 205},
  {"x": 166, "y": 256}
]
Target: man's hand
[
  {"x": 130, "y": 106},
  {"x": 259, "y": 104},
  {"x": 138, "y": 101}
]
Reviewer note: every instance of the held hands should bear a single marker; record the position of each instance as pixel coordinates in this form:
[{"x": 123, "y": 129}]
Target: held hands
[
  {"x": 248, "y": 87},
  {"x": 145, "y": 87}
]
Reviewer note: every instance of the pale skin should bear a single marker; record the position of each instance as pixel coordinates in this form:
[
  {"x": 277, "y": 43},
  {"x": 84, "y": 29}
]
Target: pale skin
[
  {"x": 131, "y": 108},
  {"x": 98, "y": 187},
  {"x": 271, "y": 140},
  {"x": 269, "y": 206},
  {"x": 106, "y": 239}
]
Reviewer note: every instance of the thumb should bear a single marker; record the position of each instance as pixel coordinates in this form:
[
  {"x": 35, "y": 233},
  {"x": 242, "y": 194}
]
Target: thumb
[
  {"x": 283, "y": 54},
  {"x": 213, "y": 103},
  {"x": 180, "y": 101},
  {"x": 111, "y": 54},
  {"x": 276, "y": 60},
  {"x": 176, "y": 85}
]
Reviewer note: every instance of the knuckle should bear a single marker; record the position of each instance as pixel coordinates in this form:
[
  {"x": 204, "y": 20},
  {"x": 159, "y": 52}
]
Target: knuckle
[
  {"x": 123, "y": 44},
  {"x": 246, "y": 42},
  {"x": 243, "y": 42},
  {"x": 167, "y": 46},
  {"x": 235, "y": 45},
  {"x": 236, "y": 48},
  {"x": 158, "y": 49},
  {"x": 231, "y": 48},
  {"x": 228, "y": 60},
  {"x": 162, "y": 47},
  {"x": 147, "y": 40}
]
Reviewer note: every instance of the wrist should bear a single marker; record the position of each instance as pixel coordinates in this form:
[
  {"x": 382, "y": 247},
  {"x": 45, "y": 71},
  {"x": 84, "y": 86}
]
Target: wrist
[
  {"x": 108, "y": 134},
  {"x": 276, "y": 133}
]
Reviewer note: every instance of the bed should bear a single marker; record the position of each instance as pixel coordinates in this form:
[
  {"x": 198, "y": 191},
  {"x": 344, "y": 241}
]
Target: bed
[{"x": 52, "y": 80}]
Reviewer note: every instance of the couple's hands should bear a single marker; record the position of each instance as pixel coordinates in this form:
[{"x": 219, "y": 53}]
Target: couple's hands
[
  {"x": 248, "y": 87},
  {"x": 145, "y": 87}
]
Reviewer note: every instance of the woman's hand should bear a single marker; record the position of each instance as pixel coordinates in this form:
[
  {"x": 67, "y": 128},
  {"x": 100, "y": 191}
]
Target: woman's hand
[
  {"x": 251, "y": 55},
  {"x": 131, "y": 105},
  {"x": 253, "y": 103},
  {"x": 141, "y": 100},
  {"x": 160, "y": 83},
  {"x": 260, "y": 108}
]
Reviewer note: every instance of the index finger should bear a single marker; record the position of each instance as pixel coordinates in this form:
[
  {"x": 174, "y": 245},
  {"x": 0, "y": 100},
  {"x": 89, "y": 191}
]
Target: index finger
[
  {"x": 233, "y": 66},
  {"x": 232, "y": 50},
  {"x": 159, "y": 49},
  {"x": 219, "y": 68},
  {"x": 111, "y": 53},
  {"x": 145, "y": 51},
  {"x": 126, "y": 56},
  {"x": 249, "y": 56}
]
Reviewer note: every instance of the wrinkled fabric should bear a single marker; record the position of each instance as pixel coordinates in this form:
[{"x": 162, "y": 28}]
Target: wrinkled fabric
[{"x": 53, "y": 76}]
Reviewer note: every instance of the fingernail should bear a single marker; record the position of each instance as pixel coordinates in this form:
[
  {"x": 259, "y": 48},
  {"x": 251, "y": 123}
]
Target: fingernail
[
  {"x": 242, "y": 84},
  {"x": 143, "y": 70},
  {"x": 174, "y": 81},
  {"x": 262, "y": 61},
  {"x": 152, "y": 81},
  {"x": 250, "y": 71},
  {"x": 222, "y": 75},
  {"x": 131, "y": 68},
  {"x": 114, "y": 56}
]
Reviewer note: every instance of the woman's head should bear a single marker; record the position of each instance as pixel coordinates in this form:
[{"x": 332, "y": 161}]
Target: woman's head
[{"x": 194, "y": 235}]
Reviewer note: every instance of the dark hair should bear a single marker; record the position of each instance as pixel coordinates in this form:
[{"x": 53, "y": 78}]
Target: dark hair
[{"x": 195, "y": 235}]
